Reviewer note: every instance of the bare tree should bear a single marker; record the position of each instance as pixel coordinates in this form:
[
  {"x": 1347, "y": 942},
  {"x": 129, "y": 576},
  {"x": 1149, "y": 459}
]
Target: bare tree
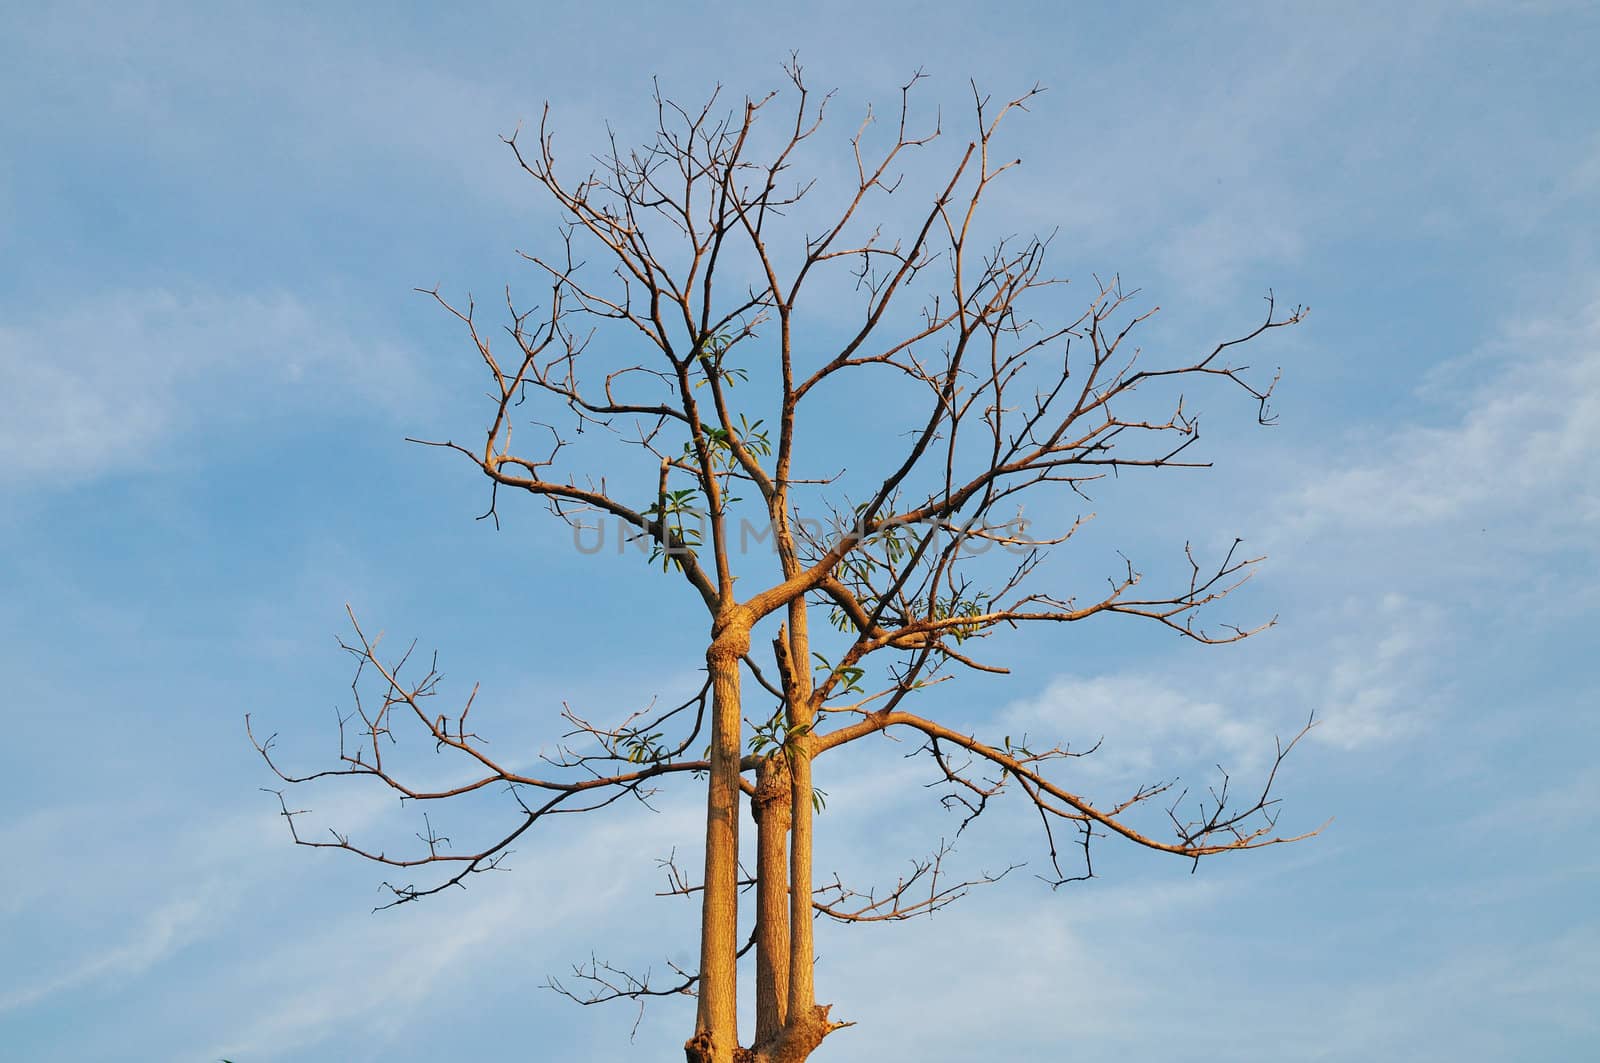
[{"x": 689, "y": 249}]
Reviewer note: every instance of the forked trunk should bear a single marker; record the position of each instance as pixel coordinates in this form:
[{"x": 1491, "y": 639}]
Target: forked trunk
[
  {"x": 803, "y": 1024},
  {"x": 789, "y": 1024}
]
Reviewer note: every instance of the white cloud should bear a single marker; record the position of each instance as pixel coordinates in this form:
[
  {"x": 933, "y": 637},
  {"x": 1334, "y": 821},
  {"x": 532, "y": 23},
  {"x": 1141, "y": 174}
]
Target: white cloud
[
  {"x": 1367, "y": 668},
  {"x": 1211, "y": 254},
  {"x": 1027, "y": 976},
  {"x": 162, "y": 933},
  {"x": 1518, "y": 454},
  {"x": 381, "y": 974},
  {"x": 1394, "y": 540},
  {"x": 1147, "y": 725},
  {"x": 1555, "y": 808},
  {"x": 362, "y": 975},
  {"x": 106, "y": 386},
  {"x": 1417, "y": 1013},
  {"x": 195, "y": 873}
]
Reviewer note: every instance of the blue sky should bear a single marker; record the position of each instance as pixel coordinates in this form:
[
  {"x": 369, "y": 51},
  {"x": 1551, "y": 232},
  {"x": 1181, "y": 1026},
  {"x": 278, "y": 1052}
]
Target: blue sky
[{"x": 213, "y": 217}]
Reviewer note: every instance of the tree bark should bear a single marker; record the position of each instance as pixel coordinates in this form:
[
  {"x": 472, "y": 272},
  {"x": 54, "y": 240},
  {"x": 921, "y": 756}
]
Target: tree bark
[
  {"x": 802, "y": 993},
  {"x": 770, "y": 807},
  {"x": 716, "y": 1025}
]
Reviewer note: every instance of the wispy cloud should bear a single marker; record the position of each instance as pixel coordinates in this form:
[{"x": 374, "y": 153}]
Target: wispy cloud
[
  {"x": 160, "y": 934},
  {"x": 365, "y": 975},
  {"x": 1361, "y": 667},
  {"x": 1368, "y": 667},
  {"x": 1401, "y": 533},
  {"x": 1514, "y": 450},
  {"x": 1143, "y": 724},
  {"x": 1528, "y": 990},
  {"x": 381, "y": 974},
  {"x": 196, "y": 873},
  {"x": 107, "y": 386}
]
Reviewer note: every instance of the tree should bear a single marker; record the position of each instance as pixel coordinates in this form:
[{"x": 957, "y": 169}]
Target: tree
[{"x": 910, "y": 563}]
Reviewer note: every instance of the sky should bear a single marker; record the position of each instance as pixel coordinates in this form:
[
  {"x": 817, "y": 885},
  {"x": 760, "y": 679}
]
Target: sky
[{"x": 213, "y": 218}]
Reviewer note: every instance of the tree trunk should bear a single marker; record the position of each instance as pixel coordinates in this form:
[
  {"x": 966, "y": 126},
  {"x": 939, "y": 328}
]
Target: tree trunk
[
  {"x": 770, "y": 807},
  {"x": 801, "y": 1025},
  {"x": 802, "y": 994},
  {"x": 716, "y": 1026},
  {"x": 789, "y": 1024}
]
